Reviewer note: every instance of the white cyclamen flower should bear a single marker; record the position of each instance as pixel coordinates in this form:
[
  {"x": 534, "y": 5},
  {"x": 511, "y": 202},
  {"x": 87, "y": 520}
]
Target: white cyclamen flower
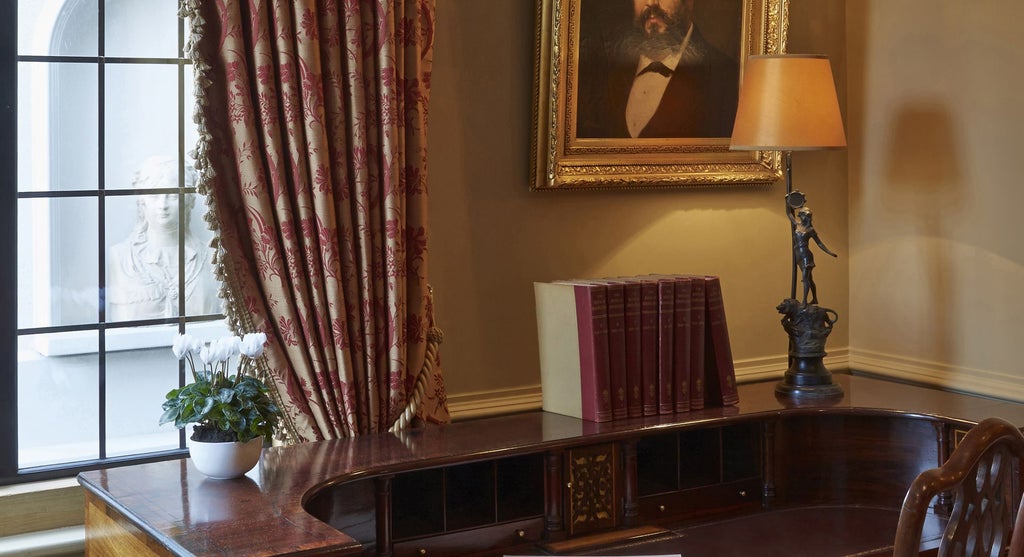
[
  {"x": 206, "y": 355},
  {"x": 252, "y": 344},
  {"x": 219, "y": 351},
  {"x": 182, "y": 345},
  {"x": 194, "y": 344},
  {"x": 232, "y": 346}
]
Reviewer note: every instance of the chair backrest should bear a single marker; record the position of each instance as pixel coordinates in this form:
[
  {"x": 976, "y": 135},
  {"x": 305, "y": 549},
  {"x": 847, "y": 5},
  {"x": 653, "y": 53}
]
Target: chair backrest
[{"x": 981, "y": 475}]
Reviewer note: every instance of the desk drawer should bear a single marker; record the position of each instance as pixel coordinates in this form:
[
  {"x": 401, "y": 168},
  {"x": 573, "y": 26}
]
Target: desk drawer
[
  {"x": 506, "y": 536},
  {"x": 730, "y": 497}
]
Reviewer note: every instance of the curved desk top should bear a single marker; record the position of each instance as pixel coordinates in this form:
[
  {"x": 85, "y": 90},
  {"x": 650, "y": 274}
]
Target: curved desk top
[{"x": 262, "y": 514}]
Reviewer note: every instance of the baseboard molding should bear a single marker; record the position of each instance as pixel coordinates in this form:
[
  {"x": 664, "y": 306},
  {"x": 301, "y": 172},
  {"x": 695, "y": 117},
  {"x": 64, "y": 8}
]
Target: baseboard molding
[
  {"x": 985, "y": 382},
  {"x": 482, "y": 404}
]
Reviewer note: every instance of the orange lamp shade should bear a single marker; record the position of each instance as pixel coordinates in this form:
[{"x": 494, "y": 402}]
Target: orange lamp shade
[{"x": 787, "y": 103}]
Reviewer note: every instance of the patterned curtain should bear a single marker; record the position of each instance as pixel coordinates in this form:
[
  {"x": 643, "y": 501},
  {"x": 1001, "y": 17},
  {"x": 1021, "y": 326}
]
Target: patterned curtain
[{"x": 312, "y": 154}]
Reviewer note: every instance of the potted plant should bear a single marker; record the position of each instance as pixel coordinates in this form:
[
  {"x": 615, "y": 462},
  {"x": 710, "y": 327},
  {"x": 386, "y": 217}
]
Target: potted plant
[{"x": 233, "y": 414}]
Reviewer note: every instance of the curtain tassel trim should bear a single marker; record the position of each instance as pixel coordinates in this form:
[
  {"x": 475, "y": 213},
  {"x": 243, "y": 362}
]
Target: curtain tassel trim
[{"x": 434, "y": 339}]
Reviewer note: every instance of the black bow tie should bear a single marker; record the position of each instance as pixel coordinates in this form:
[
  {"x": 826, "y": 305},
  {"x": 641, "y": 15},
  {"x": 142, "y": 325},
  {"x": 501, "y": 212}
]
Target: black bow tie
[{"x": 657, "y": 67}]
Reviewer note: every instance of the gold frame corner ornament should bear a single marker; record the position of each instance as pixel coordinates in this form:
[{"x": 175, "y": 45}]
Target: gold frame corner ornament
[{"x": 560, "y": 160}]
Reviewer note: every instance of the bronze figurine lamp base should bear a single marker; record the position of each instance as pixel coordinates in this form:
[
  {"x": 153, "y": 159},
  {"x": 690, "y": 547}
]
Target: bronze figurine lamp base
[{"x": 807, "y": 324}]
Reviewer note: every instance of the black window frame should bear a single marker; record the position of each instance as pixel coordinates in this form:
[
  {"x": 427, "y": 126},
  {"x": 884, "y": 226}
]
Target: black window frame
[{"x": 10, "y": 473}]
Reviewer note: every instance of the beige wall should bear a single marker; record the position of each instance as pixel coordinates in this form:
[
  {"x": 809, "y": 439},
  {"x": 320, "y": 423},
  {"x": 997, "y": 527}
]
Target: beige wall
[
  {"x": 492, "y": 238},
  {"x": 937, "y": 264}
]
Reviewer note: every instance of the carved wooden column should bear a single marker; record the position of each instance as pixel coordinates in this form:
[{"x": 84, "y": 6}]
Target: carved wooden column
[
  {"x": 383, "y": 495},
  {"x": 768, "y": 463},
  {"x": 553, "y": 526},
  {"x": 944, "y": 504},
  {"x": 630, "y": 505}
]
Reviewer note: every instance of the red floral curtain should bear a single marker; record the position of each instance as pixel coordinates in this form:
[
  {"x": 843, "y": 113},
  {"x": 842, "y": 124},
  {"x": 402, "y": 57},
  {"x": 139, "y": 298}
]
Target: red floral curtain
[{"x": 312, "y": 119}]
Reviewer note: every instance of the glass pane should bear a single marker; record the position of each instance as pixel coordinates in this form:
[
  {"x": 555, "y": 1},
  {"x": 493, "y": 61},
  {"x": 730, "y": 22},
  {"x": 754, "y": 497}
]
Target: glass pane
[
  {"x": 143, "y": 259},
  {"x": 141, "y": 118},
  {"x": 57, "y": 126},
  {"x": 190, "y": 127},
  {"x": 208, "y": 330},
  {"x": 137, "y": 383},
  {"x": 57, "y": 27},
  {"x": 141, "y": 29},
  {"x": 58, "y": 265},
  {"x": 58, "y": 408}
]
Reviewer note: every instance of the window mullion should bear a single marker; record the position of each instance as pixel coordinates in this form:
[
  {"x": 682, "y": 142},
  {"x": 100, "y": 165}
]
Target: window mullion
[{"x": 101, "y": 225}]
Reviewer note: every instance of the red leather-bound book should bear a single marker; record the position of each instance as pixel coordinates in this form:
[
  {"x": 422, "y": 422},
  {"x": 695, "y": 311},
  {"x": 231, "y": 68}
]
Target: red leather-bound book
[
  {"x": 666, "y": 345},
  {"x": 634, "y": 349},
  {"x": 617, "y": 347},
  {"x": 681, "y": 349},
  {"x": 572, "y": 329},
  {"x": 720, "y": 372},
  {"x": 649, "y": 328},
  {"x": 697, "y": 318}
]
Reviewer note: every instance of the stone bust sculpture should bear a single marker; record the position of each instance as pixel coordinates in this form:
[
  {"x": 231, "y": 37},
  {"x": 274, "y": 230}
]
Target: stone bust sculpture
[{"x": 143, "y": 268}]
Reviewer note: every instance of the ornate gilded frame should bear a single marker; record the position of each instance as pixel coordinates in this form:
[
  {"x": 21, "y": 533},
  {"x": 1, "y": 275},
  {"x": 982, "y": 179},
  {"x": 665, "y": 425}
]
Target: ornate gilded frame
[{"x": 560, "y": 160}]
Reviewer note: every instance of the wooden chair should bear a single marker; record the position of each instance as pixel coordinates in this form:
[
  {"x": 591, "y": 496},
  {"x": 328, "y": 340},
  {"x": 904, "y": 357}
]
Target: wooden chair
[{"x": 982, "y": 473}]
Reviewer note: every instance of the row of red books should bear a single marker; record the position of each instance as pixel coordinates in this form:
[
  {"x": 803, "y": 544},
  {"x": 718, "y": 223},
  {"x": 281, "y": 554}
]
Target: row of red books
[{"x": 637, "y": 346}]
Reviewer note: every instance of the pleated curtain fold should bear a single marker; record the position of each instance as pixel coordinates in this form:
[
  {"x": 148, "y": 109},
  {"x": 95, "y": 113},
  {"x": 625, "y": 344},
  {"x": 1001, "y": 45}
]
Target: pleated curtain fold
[{"x": 312, "y": 155}]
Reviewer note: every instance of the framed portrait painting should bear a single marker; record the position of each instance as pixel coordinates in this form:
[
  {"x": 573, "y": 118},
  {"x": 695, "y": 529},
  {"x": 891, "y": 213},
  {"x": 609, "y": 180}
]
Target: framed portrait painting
[{"x": 643, "y": 93}]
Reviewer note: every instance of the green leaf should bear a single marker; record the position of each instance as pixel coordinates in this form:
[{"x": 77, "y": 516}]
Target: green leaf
[
  {"x": 208, "y": 404},
  {"x": 231, "y": 414},
  {"x": 169, "y": 415}
]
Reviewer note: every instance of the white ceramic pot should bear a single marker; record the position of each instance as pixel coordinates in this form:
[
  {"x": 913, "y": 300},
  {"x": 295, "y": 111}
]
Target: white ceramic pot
[{"x": 224, "y": 461}]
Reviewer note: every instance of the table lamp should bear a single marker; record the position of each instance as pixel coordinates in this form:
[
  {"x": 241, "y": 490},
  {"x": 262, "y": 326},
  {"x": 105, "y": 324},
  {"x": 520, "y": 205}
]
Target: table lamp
[{"x": 788, "y": 103}]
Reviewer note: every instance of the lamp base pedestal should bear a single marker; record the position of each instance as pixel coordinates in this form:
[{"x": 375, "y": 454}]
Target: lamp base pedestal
[
  {"x": 808, "y": 327},
  {"x": 807, "y": 378}
]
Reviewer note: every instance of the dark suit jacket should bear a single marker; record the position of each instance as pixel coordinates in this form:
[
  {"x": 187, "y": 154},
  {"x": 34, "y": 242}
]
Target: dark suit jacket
[{"x": 700, "y": 100}]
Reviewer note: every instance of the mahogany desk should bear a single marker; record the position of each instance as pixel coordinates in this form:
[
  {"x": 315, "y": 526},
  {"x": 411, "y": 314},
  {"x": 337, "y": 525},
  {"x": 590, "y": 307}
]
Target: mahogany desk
[{"x": 536, "y": 482}]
